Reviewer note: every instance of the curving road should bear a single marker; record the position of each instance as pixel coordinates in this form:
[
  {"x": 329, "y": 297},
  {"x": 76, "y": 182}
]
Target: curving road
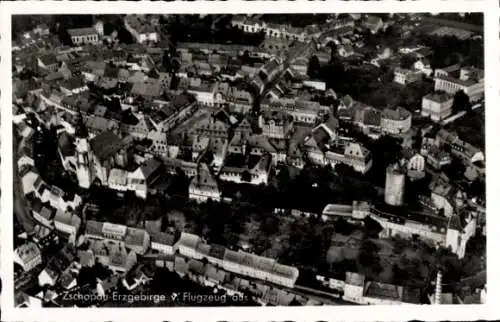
[{"x": 20, "y": 205}]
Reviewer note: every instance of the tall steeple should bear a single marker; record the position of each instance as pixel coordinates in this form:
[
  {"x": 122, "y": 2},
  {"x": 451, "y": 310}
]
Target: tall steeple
[
  {"x": 84, "y": 171},
  {"x": 80, "y": 128}
]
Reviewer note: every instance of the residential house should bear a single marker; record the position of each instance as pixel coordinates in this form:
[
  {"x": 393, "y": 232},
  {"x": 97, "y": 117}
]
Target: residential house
[
  {"x": 352, "y": 154},
  {"x": 55, "y": 266},
  {"x": 107, "y": 150},
  {"x": 358, "y": 290},
  {"x": 48, "y": 62},
  {"x": 144, "y": 177},
  {"x": 405, "y": 76},
  {"x": 210, "y": 127},
  {"x": 104, "y": 230},
  {"x": 447, "y": 71},
  {"x": 257, "y": 144},
  {"x": 163, "y": 242},
  {"x": 436, "y": 157},
  {"x": 206, "y": 93},
  {"x": 28, "y": 255},
  {"x": 423, "y": 65},
  {"x": 114, "y": 255},
  {"x": 43, "y": 213},
  {"x": 56, "y": 197},
  {"x": 187, "y": 245},
  {"x": 138, "y": 240},
  {"x": 118, "y": 180},
  {"x": 73, "y": 86},
  {"x": 415, "y": 164},
  {"x": 173, "y": 112},
  {"x": 204, "y": 186},
  {"x": 461, "y": 149},
  {"x": 276, "y": 124},
  {"x": 67, "y": 223},
  {"x": 239, "y": 100},
  {"x": 140, "y": 28},
  {"x": 250, "y": 167},
  {"x": 373, "y": 23}
]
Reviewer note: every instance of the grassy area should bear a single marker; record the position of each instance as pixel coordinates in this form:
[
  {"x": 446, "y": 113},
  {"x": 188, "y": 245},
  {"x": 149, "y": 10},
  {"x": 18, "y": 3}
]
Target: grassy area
[{"x": 470, "y": 127}]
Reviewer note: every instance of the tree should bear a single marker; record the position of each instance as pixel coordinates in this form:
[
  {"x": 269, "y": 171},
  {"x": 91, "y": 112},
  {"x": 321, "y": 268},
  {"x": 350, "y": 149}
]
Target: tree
[
  {"x": 407, "y": 61},
  {"x": 246, "y": 176},
  {"x": 245, "y": 58},
  {"x": 461, "y": 102},
  {"x": 167, "y": 60},
  {"x": 333, "y": 51},
  {"x": 313, "y": 67}
]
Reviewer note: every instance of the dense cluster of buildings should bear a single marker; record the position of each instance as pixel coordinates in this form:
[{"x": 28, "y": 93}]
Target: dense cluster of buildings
[{"x": 229, "y": 114}]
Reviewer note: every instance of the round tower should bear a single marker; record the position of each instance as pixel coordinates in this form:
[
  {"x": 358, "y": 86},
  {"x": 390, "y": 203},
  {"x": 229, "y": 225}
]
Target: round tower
[{"x": 394, "y": 185}]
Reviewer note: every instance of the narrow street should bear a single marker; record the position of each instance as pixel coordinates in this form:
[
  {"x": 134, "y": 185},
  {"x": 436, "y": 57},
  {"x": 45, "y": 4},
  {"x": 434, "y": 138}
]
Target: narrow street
[{"x": 20, "y": 206}]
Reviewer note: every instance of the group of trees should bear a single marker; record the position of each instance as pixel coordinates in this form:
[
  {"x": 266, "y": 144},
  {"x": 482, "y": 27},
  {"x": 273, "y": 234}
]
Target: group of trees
[
  {"x": 461, "y": 102},
  {"x": 48, "y": 161},
  {"x": 299, "y": 21},
  {"x": 369, "y": 84},
  {"x": 209, "y": 28},
  {"x": 309, "y": 240},
  {"x": 219, "y": 223}
]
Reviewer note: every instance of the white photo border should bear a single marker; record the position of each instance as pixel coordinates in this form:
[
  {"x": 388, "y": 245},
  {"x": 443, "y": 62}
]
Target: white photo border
[{"x": 307, "y": 313}]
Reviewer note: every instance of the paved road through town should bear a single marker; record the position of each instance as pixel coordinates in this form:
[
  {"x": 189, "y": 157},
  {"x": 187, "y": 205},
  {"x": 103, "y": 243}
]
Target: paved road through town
[{"x": 20, "y": 205}]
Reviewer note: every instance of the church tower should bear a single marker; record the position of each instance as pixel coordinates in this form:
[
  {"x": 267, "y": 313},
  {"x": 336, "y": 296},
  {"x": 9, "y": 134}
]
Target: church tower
[{"x": 83, "y": 164}]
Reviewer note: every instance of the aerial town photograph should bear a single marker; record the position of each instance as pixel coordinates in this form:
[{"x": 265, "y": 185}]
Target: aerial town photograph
[{"x": 248, "y": 160}]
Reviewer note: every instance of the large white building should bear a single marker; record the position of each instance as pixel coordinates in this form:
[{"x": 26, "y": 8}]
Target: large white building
[
  {"x": 397, "y": 121},
  {"x": 82, "y": 36},
  {"x": 252, "y": 25},
  {"x": 437, "y": 106},
  {"x": 470, "y": 80}
]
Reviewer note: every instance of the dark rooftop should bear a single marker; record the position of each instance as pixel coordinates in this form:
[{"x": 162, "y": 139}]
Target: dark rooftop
[{"x": 106, "y": 144}]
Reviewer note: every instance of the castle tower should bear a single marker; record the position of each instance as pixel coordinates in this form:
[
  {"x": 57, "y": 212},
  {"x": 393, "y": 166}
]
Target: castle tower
[
  {"x": 394, "y": 185},
  {"x": 83, "y": 166}
]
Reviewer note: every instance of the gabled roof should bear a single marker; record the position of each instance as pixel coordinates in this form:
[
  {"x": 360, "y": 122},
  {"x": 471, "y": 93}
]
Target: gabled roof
[
  {"x": 106, "y": 144},
  {"x": 217, "y": 251},
  {"x": 150, "y": 168},
  {"x": 163, "y": 238},
  {"x": 75, "y": 32},
  {"x": 48, "y": 59},
  {"x": 65, "y": 144}
]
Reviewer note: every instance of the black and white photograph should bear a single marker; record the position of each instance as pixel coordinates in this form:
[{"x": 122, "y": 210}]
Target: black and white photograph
[{"x": 165, "y": 160}]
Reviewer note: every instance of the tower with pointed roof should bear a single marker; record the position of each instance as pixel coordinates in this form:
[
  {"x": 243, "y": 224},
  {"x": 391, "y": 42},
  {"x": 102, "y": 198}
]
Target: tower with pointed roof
[{"x": 83, "y": 154}]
